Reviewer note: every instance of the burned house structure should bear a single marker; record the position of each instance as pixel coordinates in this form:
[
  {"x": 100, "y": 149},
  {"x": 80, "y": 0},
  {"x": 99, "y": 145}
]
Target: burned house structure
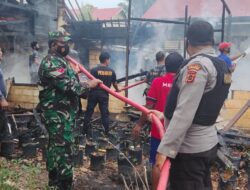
[
  {"x": 152, "y": 31},
  {"x": 22, "y": 22}
]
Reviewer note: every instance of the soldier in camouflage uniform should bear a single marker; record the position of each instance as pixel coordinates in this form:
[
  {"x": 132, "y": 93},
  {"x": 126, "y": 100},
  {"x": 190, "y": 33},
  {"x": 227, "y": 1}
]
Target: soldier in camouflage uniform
[{"x": 59, "y": 102}]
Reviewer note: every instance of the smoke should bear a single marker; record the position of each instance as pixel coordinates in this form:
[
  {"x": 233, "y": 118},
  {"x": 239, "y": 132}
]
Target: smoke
[
  {"x": 16, "y": 66},
  {"x": 143, "y": 57},
  {"x": 143, "y": 54},
  {"x": 241, "y": 75}
]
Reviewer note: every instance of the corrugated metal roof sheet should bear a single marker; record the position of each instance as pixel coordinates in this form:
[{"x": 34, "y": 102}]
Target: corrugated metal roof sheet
[
  {"x": 105, "y": 14},
  {"x": 169, "y": 9}
]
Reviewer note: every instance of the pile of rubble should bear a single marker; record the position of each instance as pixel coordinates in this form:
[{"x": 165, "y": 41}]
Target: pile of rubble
[
  {"x": 233, "y": 164},
  {"x": 118, "y": 157}
]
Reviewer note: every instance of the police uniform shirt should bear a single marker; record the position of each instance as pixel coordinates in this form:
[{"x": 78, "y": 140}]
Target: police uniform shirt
[
  {"x": 2, "y": 86},
  {"x": 182, "y": 135},
  {"x": 34, "y": 67},
  {"x": 105, "y": 74}
]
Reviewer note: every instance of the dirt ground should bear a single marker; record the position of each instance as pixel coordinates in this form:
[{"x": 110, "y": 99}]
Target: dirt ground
[{"x": 31, "y": 174}]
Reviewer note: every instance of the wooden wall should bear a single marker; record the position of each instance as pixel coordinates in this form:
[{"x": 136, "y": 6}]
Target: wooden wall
[
  {"x": 233, "y": 105},
  {"x": 26, "y": 96},
  {"x": 93, "y": 58}
]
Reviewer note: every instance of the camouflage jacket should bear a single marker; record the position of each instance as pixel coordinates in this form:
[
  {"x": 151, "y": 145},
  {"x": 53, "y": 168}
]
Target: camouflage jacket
[{"x": 59, "y": 85}]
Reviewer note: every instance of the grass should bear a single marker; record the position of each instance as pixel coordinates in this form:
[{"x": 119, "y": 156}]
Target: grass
[{"x": 19, "y": 174}]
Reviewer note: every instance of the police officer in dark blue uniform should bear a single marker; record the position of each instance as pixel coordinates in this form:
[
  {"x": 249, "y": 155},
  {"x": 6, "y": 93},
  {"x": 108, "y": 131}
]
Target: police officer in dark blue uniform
[{"x": 98, "y": 95}]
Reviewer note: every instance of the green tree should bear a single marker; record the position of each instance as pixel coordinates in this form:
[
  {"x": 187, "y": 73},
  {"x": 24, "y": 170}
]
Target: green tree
[
  {"x": 86, "y": 11},
  {"x": 138, "y": 8}
]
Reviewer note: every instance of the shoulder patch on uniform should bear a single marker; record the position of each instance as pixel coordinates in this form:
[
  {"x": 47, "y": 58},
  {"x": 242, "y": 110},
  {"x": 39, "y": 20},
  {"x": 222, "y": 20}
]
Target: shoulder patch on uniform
[
  {"x": 194, "y": 67},
  {"x": 191, "y": 72}
]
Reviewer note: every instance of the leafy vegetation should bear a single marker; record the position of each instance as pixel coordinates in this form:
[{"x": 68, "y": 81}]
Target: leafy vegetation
[{"x": 21, "y": 174}]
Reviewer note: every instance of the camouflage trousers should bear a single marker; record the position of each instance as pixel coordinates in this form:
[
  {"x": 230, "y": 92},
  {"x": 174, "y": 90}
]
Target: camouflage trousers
[{"x": 61, "y": 146}]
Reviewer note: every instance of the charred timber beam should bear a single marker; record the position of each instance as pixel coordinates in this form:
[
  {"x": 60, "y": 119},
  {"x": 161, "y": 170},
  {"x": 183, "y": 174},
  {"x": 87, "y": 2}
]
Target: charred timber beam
[
  {"x": 69, "y": 13},
  {"x": 224, "y": 159},
  {"x": 237, "y": 116},
  {"x": 78, "y": 6},
  {"x": 20, "y": 114},
  {"x": 223, "y": 23},
  {"x": 4, "y": 5},
  {"x": 76, "y": 16},
  {"x": 185, "y": 31},
  {"x": 159, "y": 20},
  {"x": 226, "y": 7},
  {"x": 128, "y": 46}
]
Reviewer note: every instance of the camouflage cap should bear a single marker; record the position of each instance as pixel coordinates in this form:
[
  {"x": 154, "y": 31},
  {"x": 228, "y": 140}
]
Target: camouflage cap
[{"x": 56, "y": 35}]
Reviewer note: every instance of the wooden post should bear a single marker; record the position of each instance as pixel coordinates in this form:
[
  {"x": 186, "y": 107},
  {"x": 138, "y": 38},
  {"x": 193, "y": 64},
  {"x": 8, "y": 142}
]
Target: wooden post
[{"x": 128, "y": 46}]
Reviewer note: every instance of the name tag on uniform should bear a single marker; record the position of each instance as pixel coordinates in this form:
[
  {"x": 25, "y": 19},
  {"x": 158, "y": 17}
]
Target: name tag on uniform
[{"x": 104, "y": 73}]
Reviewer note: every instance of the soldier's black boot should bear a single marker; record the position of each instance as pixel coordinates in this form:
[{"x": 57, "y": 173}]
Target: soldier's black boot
[
  {"x": 53, "y": 179},
  {"x": 66, "y": 184}
]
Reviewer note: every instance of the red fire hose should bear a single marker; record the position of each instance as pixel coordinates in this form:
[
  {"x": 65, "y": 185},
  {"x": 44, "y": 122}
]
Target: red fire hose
[
  {"x": 162, "y": 185},
  {"x": 132, "y": 85}
]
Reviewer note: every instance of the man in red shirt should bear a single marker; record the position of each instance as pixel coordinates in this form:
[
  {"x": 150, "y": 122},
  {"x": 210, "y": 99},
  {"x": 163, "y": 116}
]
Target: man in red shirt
[{"x": 156, "y": 99}]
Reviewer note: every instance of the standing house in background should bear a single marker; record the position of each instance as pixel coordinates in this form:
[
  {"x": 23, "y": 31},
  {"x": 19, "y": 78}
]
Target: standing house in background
[{"x": 108, "y": 14}]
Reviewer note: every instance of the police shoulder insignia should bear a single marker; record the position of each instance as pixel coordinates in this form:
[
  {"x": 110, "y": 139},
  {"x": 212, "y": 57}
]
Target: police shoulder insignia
[{"x": 191, "y": 72}]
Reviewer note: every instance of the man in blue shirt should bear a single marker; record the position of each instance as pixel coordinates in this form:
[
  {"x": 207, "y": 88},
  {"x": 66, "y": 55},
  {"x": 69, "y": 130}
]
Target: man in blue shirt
[
  {"x": 224, "y": 48},
  {"x": 3, "y": 102}
]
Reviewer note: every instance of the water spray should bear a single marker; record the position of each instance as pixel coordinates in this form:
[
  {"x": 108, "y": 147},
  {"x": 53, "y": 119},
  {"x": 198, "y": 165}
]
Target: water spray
[{"x": 247, "y": 51}]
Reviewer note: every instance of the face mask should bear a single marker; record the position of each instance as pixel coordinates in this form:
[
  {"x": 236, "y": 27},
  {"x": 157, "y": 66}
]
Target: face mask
[
  {"x": 63, "y": 50},
  {"x": 37, "y": 48}
]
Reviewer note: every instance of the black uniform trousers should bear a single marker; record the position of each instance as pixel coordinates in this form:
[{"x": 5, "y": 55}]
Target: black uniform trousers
[
  {"x": 101, "y": 98},
  {"x": 192, "y": 171}
]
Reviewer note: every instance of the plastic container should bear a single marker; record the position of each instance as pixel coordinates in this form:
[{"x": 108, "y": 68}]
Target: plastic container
[
  {"x": 124, "y": 167},
  {"x": 97, "y": 161},
  {"x": 43, "y": 141},
  {"x": 90, "y": 148},
  {"x": 228, "y": 184},
  {"x": 7, "y": 148},
  {"x": 103, "y": 143},
  {"x": 125, "y": 144},
  {"x": 30, "y": 150},
  {"x": 111, "y": 154},
  {"x": 135, "y": 154},
  {"x": 78, "y": 158}
]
